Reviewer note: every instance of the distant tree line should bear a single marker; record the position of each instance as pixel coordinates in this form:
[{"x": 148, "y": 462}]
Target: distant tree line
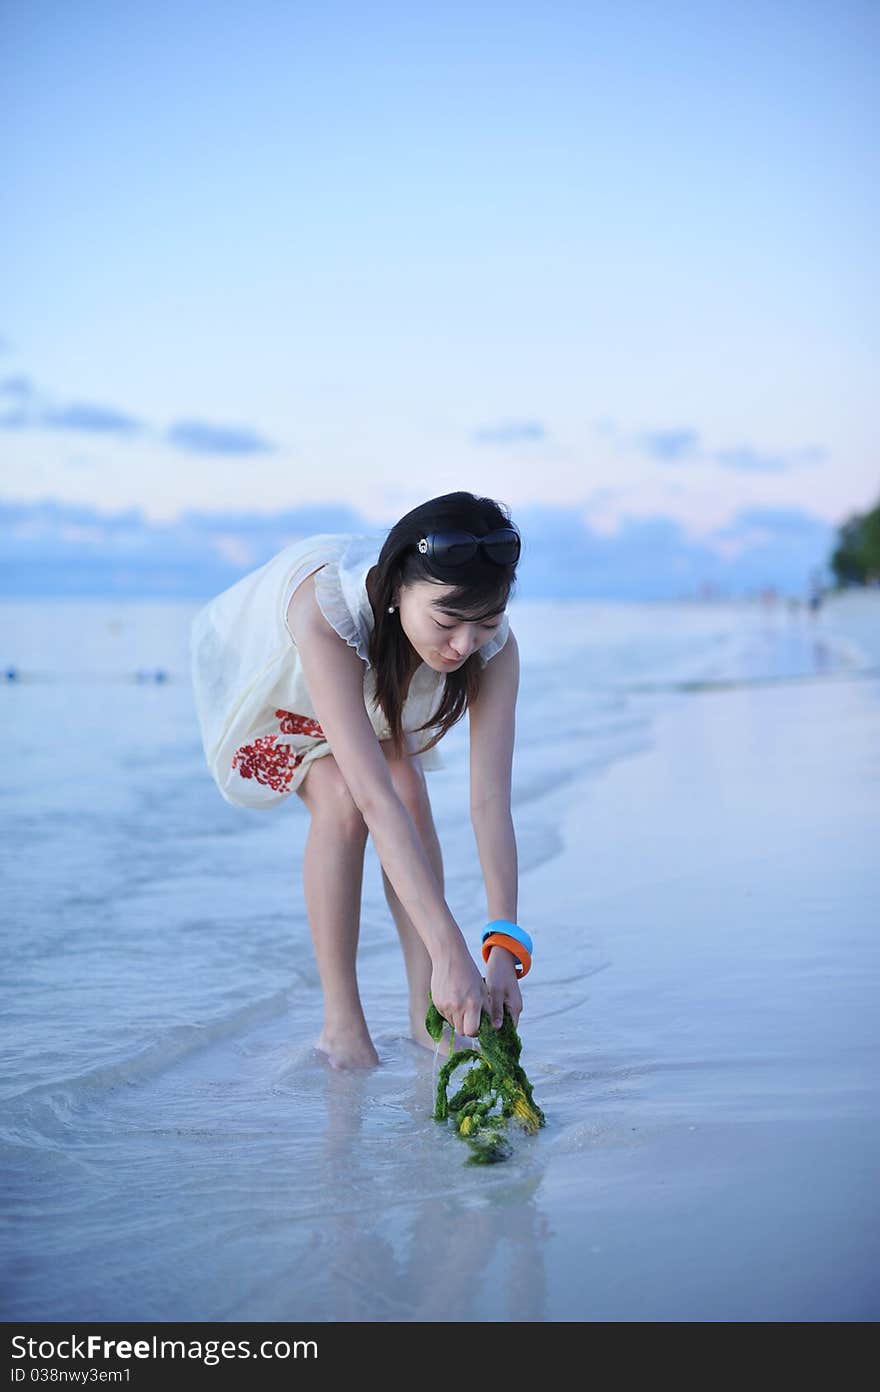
[{"x": 856, "y": 557}]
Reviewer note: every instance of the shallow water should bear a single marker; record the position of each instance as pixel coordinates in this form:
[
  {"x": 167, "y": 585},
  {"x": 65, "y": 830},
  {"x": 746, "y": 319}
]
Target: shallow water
[{"x": 172, "y": 1146}]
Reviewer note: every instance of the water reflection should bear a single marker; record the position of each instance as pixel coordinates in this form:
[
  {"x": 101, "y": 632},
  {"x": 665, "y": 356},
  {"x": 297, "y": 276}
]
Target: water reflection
[{"x": 410, "y": 1232}]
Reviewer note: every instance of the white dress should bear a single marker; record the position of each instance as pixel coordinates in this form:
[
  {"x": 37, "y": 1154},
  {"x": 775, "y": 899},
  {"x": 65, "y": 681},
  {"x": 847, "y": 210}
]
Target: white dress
[{"x": 259, "y": 729}]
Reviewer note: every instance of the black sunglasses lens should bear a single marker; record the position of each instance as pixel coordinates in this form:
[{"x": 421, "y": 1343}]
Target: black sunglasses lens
[
  {"x": 503, "y": 546},
  {"x": 454, "y": 548}
]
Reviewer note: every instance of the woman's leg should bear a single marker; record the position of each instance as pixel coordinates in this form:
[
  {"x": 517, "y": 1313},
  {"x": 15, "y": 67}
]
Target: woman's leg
[
  {"x": 333, "y": 871},
  {"x": 408, "y": 777}
]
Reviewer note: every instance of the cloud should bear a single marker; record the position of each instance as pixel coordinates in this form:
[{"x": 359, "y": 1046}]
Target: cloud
[
  {"x": 773, "y": 540},
  {"x": 17, "y": 388},
  {"x": 309, "y": 520},
  {"x": 23, "y": 408},
  {"x": 654, "y": 557},
  {"x": 669, "y": 444},
  {"x": 510, "y": 433},
  {"x": 747, "y": 459},
  {"x": 51, "y": 548},
  {"x": 198, "y": 437},
  {"x": 96, "y": 420},
  {"x": 16, "y": 394},
  {"x": 683, "y": 443},
  {"x": 779, "y": 522}
]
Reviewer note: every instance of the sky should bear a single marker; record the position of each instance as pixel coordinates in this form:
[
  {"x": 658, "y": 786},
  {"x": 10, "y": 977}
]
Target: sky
[{"x": 612, "y": 261}]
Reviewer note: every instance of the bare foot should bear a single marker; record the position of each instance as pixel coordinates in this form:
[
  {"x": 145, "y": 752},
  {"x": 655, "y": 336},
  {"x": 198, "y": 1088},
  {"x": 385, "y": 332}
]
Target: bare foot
[{"x": 347, "y": 1050}]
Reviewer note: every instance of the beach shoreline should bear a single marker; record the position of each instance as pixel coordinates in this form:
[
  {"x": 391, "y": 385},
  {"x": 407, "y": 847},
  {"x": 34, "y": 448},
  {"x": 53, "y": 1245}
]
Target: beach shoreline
[{"x": 699, "y": 1028}]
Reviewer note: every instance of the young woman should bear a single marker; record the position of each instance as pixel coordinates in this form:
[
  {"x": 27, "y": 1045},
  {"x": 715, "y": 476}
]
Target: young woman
[{"x": 332, "y": 672}]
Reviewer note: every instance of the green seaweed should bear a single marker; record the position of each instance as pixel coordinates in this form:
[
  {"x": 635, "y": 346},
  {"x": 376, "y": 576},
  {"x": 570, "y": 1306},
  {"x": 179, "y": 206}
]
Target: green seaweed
[{"x": 494, "y": 1079}]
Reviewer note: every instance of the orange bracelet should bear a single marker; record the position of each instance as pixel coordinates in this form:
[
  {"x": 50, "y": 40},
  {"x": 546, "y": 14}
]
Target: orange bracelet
[{"x": 522, "y": 954}]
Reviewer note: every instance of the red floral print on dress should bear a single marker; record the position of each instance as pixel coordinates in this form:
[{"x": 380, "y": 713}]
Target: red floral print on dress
[
  {"x": 274, "y": 764},
  {"x": 271, "y": 765},
  {"x": 293, "y": 724}
]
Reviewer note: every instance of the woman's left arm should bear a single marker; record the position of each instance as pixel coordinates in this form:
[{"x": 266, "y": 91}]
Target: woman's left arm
[{"x": 492, "y": 731}]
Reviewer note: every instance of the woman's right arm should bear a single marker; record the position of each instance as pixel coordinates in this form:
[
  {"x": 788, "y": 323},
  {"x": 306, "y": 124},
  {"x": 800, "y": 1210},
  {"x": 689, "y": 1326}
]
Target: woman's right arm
[{"x": 334, "y": 675}]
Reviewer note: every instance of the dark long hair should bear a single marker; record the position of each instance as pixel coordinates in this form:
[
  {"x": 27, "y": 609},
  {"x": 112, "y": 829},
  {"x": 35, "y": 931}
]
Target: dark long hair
[{"x": 482, "y": 588}]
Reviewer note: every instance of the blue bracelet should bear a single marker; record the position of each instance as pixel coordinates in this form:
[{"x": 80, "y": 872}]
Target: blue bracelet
[{"x": 513, "y": 930}]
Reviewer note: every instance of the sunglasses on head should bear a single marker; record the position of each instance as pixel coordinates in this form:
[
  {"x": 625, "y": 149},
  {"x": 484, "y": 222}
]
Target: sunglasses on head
[{"x": 456, "y": 548}]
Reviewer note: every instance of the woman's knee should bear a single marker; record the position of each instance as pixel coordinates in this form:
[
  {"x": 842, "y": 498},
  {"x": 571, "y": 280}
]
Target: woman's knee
[{"x": 325, "y": 793}]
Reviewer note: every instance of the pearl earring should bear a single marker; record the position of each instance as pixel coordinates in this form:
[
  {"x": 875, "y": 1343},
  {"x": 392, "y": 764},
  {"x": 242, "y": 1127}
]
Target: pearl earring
[{"x": 390, "y": 608}]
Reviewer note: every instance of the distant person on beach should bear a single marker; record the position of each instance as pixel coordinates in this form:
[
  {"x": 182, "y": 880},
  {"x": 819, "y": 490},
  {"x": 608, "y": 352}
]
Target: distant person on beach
[
  {"x": 815, "y": 593},
  {"x": 346, "y": 658}
]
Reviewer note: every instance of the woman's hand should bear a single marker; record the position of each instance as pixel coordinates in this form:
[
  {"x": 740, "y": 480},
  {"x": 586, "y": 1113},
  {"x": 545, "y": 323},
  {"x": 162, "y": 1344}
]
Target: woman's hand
[
  {"x": 503, "y": 986},
  {"x": 459, "y": 992}
]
